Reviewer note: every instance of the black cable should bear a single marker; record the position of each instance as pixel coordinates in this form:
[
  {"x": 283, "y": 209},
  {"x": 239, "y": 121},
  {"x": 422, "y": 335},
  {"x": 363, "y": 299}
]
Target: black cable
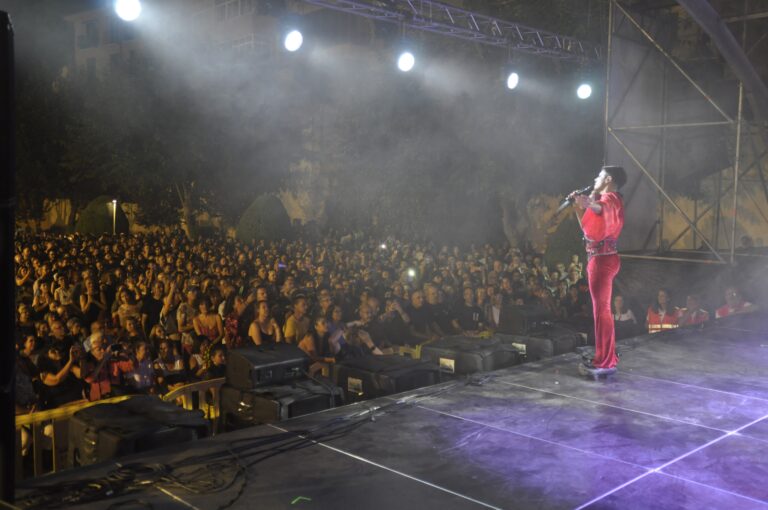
[
  {"x": 121, "y": 504},
  {"x": 134, "y": 477}
]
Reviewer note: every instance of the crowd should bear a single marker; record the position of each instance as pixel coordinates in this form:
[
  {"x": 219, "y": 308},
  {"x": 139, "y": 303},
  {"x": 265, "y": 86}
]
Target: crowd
[{"x": 100, "y": 317}]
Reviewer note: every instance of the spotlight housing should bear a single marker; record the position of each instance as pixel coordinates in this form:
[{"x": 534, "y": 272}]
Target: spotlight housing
[
  {"x": 128, "y": 10},
  {"x": 584, "y": 91},
  {"x": 293, "y": 41},
  {"x": 406, "y": 61},
  {"x": 513, "y": 79}
]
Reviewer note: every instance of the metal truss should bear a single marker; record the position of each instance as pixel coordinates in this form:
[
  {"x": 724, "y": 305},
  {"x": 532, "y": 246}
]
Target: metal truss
[
  {"x": 439, "y": 18},
  {"x": 615, "y": 133}
]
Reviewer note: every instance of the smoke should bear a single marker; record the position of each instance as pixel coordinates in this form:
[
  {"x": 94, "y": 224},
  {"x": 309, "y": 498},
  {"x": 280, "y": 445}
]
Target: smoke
[{"x": 428, "y": 150}]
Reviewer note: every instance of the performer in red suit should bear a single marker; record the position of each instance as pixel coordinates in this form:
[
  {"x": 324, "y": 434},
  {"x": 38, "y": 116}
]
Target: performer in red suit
[{"x": 601, "y": 223}]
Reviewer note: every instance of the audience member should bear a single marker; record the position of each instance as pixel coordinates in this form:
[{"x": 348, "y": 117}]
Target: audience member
[
  {"x": 297, "y": 324},
  {"x": 469, "y": 316},
  {"x": 264, "y": 329},
  {"x": 692, "y": 313},
  {"x": 623, "y": 318},
  {"x": 734, "y": 304},
  {"x": 141, "y": 377},
  {"x": 662, "y": 315},
  {"x": 60, "y": 378},
  {"x": 193, "y": 297}
]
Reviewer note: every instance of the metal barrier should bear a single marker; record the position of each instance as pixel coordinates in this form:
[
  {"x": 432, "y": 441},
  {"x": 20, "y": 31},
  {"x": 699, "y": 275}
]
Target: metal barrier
[
  {"x": 46, "y": 433},
  {"x": 49, "y": 431},
  {"x": 203, "y": 395},
  {"x": 411, "y": 351}
]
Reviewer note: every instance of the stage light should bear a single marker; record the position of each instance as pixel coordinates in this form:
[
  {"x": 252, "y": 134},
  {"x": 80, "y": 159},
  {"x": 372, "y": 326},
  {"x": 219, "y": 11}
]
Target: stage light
[
  {"x": 584, "y": 91},
  {"x": 383, "y": 246},
  {"x": 128, "y": 10},
  {"x": 512, "y": 80},
  {"x": 293, "y": 40},
  {"x": 406, "y": 61},
  {"x": 411, "y": 273}
]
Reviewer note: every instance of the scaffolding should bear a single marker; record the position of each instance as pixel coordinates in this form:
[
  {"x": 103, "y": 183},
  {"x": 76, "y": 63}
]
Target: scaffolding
[
  {"x": 444, "y": 19},
  {"x": 620, "y": 146}
]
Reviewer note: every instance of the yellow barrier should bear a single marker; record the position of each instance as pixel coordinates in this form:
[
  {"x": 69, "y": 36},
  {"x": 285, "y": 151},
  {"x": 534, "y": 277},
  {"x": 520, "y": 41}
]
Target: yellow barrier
[
  {"x": 49, "y": 428},
  {"x": 203, "y": 395},
  {"x": 413, "y": 351},
  {"x": 48, "y": 431}
]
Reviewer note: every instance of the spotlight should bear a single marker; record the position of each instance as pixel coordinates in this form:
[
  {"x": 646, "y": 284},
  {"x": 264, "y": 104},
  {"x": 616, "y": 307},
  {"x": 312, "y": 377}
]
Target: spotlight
[
  {"x": 512, "y": 80},
  {"x": 584, "y": 91},
  {"x": 128, "y": 10},
  {"x": 406, "y": 61},
  {"x": 383, "y": 246},
  {"x": 293, "y": 40},
  {"x": 411, "y": 273}
]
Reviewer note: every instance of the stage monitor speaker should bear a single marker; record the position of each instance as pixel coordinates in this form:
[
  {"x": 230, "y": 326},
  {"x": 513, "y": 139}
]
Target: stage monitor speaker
[
  {"x": 378, "y": 376},
  {"x": 523, "y": 319},
  {"x": 141, "y": 423},
  {"x": 268, "y": 404},
  {"x": 255, "y": 366},
  {"x": 467, "y": 355},
  {"x": 545, "y": 342}
]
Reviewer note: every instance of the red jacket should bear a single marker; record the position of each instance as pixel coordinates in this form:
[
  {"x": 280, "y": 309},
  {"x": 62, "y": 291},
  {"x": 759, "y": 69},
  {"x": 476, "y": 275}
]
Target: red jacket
[
  {"x": 658, "y": 323},
  {"x": 697, "y": 317},
  {"x": 725, "y": 310},
  {"x": 610, "y": 221}
]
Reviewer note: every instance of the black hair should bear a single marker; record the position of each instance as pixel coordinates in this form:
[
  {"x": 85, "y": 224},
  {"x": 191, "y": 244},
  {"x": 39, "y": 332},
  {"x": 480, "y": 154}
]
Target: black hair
[
  {"x": 617, "y": 173},
  {"x": 216, "y": 348},
  {"x": 655, "y": 305}
]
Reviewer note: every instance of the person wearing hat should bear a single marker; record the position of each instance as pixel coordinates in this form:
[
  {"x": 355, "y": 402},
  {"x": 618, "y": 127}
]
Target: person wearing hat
[{"x": 60, "y": 376}]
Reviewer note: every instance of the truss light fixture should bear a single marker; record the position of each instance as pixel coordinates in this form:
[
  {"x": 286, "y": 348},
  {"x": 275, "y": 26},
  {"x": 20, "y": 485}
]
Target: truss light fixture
[
  {"x": 584, "y": 91},
  {"x": 513, "y": 79},
  {"x": 128, "y": 10},
  {"x": 293, "y": 41},
  {"x": 406, "y": 61}
]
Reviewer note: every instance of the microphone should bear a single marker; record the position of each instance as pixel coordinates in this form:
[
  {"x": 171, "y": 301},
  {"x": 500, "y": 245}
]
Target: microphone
[{"x": 568, "y": 201}]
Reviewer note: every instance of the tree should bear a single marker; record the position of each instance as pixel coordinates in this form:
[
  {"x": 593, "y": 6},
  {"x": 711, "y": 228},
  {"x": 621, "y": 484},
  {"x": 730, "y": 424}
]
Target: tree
[
  {"x": 209, "y": 130},
  {"x": 99, "y": 217},
  {"x": 264, "y": 219}
]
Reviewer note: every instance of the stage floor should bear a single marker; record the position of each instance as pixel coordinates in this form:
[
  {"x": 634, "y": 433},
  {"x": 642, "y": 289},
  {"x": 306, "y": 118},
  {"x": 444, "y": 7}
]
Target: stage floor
[{"x": 683, "y": 424}]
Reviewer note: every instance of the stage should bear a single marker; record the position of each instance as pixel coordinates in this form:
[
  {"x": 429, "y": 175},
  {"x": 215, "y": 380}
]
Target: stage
[{"x": 683, "y": 424}]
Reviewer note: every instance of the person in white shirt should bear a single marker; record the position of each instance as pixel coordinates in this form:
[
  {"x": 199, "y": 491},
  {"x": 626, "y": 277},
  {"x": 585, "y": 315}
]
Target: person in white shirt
[{"x": 623, "y": 318}]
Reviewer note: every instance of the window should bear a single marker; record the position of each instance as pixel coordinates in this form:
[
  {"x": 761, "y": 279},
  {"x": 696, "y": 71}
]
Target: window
[
  {"x": 90, "y": 66},
  {"x": 91, "y": 33},
  {"x": 115, "y": 30},
  {"x": 228, "y": 9},
  {"x": 128, "y": 31},
  {"x": 247, "y": 6},
  {"x": 233, "y": 9},
  {"x": 220, "y": 10}
]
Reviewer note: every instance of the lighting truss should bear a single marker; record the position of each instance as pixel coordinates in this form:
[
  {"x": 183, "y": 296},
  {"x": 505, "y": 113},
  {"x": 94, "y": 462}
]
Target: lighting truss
[{"x": 439, "y": 18}]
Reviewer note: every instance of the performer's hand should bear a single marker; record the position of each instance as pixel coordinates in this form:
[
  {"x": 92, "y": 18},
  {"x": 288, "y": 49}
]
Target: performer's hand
[{"x": 583, "y": 201}]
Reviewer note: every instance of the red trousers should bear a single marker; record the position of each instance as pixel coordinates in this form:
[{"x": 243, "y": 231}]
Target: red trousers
[{"x": 601, "y": 271}]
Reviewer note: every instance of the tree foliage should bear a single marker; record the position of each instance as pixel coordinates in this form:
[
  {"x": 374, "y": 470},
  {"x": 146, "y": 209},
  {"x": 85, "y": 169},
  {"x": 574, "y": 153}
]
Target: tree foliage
[
  {"x": 210, "y": 131},
  {"x": 266, "y": 218},
  {"x": 97, "y": 218}
]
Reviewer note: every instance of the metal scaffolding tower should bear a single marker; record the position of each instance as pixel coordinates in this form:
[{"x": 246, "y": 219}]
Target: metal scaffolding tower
[{"x": 643, "y": 139}]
